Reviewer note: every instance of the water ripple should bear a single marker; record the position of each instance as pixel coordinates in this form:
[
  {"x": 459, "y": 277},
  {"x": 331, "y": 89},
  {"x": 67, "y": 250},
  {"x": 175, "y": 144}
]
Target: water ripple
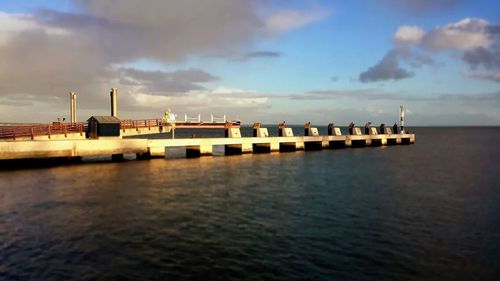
[{"x": 429, "y": 211}]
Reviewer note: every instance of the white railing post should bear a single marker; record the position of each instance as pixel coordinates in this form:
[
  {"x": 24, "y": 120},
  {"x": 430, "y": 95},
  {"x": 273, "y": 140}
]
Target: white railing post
[{"x": 211, "y": 118}]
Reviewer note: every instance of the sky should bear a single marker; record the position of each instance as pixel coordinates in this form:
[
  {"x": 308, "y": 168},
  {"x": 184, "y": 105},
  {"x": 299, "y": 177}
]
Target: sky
[{"x": 263, "y": 61}]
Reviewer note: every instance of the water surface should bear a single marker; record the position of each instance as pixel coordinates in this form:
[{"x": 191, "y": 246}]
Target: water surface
[{"x": 428, "y": 211}]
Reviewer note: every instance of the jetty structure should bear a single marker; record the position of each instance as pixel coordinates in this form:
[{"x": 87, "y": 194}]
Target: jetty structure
[{"x": 107, "y": 135}]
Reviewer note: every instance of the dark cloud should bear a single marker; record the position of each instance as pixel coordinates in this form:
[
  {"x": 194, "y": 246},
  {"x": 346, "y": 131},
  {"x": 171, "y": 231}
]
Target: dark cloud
[
  {"x": 419, "y": 60},
  {"x": 161, "y": 30},
  {"x": 386, "y": 69},
  {"x": 490, "y": 59},
  {"x": 262, "y": 54},
  {"x": 161, "y": 82},
  {"x": 477, "y": 40},
  {"x": 54, "y": 52},
  {"x": 494, "y": 29},
  {"x": 42, "y": 64},
  {"x": 378, "y": 94}
]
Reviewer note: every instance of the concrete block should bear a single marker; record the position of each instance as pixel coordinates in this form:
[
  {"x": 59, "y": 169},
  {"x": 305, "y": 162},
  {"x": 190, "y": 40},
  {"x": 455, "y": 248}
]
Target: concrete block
[
  {"x": 325, "y": 143},
  {"x": 262, "y": 133},
  {"x": 246, "y": 148},
  {"x": 388, "y": 131},
  {"x": 299, "y": 145},
  {"x": 287, "y": 132},
  {"x": 357, "y": 131},
  {"x": 313, "y": 132},
  {"x": 157, "y": 151},
  {"x": 373, "y": 131},
  {"x": 275, "y": 146},
  {"x": 233, "y": 133},
  {"x": 337, "y": 131}
]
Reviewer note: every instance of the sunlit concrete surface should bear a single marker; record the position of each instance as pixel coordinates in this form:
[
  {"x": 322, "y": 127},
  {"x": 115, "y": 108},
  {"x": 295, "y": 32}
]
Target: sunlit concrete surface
[{"x": 194, "y": 146}]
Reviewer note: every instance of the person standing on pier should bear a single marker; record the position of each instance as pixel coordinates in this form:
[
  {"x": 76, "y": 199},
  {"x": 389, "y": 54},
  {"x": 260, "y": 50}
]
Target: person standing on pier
[
  {"x": 351, "y": 128},
  {"x": 395, "y": 128},
  {"x": 382, "y": 128},
  {"x": 367, "y": 128}
]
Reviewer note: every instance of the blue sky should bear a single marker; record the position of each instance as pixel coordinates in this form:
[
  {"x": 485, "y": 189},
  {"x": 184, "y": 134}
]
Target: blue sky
[{"x": 267, "y": 61}]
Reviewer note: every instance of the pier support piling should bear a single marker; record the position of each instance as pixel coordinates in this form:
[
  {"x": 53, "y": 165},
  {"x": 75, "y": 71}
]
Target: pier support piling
[
  {"x": 117, "y": 157},
  {"x": 157, "y": 152},
  {"x": 195, "y": 151}
]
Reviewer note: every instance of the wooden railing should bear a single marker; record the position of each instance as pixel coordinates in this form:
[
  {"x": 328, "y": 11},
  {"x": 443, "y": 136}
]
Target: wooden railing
[{"x": 31, "y": 131}]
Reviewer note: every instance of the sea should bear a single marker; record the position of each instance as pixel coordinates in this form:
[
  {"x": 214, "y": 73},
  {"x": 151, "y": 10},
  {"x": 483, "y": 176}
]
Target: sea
[{"x": 427, "y": 211}]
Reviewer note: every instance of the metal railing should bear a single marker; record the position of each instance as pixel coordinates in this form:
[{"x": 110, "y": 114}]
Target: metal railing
[
  {"x": 147, "y": 123},
  {"x": 13, "y": 132},
  {"x": 32, "y": 131}
]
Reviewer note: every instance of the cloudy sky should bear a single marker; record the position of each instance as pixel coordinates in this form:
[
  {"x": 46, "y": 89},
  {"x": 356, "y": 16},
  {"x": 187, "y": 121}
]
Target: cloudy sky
[{"x": 256, "y": 60}]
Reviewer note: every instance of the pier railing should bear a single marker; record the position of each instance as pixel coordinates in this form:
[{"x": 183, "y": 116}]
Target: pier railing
[
  {"x": 32, "y": 131},
  {"x": 133, "y": 124},
  {"x": 23, "y": 131},
  {"x": 194, "y": 124}
]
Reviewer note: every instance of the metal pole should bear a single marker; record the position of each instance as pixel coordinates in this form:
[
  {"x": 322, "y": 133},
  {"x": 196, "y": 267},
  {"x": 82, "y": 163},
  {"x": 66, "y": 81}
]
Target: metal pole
[
  {"x": 72, "y": 107},
  {"x": 402, "y": 117},
  {"x": 113, "y": 93}
]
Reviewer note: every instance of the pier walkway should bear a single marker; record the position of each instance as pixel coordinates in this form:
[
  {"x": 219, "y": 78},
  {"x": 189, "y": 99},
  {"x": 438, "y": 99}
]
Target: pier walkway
[{"x": 195, "y": 147}]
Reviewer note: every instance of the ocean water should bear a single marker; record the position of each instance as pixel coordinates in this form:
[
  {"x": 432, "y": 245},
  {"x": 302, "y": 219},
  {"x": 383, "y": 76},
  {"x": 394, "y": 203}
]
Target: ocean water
[{"x": 428, "y": 211}]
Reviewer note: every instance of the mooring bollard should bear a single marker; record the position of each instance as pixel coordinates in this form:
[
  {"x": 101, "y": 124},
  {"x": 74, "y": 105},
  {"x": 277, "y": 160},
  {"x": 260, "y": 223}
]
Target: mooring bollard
[
  {"x": 310, "y": 131},
  {"x": 259, "y": 132}
]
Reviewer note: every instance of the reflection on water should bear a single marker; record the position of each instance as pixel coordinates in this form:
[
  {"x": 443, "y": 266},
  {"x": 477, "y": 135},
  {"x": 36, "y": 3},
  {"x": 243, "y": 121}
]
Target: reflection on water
[{"x": 428, "y": 211}]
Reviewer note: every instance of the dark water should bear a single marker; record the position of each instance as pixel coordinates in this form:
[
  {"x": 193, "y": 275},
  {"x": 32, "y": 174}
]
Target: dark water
[{"x": 429, "y": 211}]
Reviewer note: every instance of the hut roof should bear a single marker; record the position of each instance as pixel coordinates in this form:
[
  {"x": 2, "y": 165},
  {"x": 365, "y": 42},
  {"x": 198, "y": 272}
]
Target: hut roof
[{"x": 105, "y": 119}]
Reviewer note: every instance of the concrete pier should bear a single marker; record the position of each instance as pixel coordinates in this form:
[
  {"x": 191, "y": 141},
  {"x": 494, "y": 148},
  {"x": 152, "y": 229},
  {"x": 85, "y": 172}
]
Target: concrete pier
[{"x": 195, "y": 147}]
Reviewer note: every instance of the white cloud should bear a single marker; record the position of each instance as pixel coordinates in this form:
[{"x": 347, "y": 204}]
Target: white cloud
[
  {"x": 466, "y": 34},
  {"x": 228, "y": 90},
  {"x": 475, "y": 38},
  {"x": 202, "y": 100},
  {"x": 408, "y": 35},
  {"x": 12, "y": 24},
  {"x": 286, "y": 20}
]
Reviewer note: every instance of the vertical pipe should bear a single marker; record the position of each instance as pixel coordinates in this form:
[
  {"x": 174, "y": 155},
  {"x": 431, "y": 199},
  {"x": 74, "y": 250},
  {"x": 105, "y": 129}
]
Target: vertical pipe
[
  {"x": 72, "y": 107},
  {"x": 402, "y": 117},
  {"x": 113, "y": 93}
]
